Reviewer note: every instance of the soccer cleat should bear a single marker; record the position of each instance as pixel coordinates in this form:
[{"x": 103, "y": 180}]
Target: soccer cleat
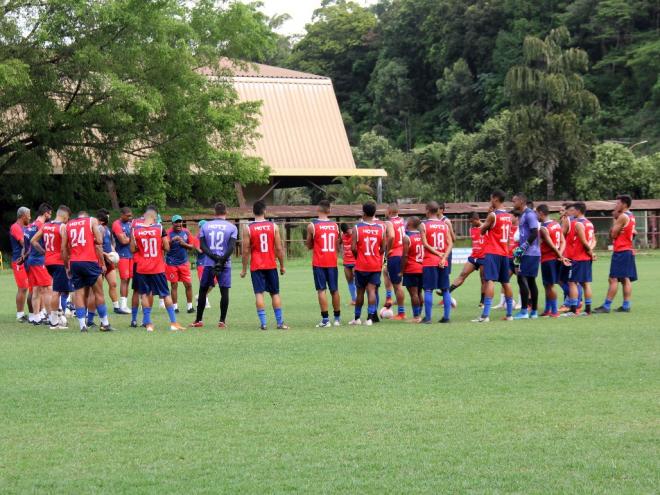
[
  {"x": 106, "y": 328},
  {"x": 337, "y": 323},
  {"x": 621, "y": 309},
  {"x": 57, "y": 326},
  {"x": 400, "y": 317},
  {"x": 601, "y": 310},
  {"x": 122, "y": 311},
  {"x": 481, "y": 319},
  {"x": 569, "y": 314},
  {"x": 323, "y": 324},
  {"x": 533, "y": 315},
  {"x": 415, "y": 319},
  {"x": 197, "y": 324},
  {"x": 444, "y": 320},
  {"x": 554, "y": 315},
  {"x": 521, "y": 316},
  {"x": 545, "y": 314},
  {"x": 263, "y": 327},
  {"x": 355, "y": 322},
  {"x": 425, "y": 321},
  {"x": 282, "y": 326},
  {"x": 176, "y": 310},
  {"x": 22, "y": 319},
  {"x": 91, "y": 324},
  {"x": 83, "y": 330},
  {"x": 507, "y": 318},
  {"x": 369, "y": 322},
  {"x": 133, "y": 324},
  {"x": 175, "y": 327},
  {"x": 222, "y": 324},
  {"x": 191, "y": 311},
  {"x": 150, "y": 327}
]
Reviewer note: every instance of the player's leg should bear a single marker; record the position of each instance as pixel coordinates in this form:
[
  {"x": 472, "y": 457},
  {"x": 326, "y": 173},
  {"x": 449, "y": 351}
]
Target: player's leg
[
  {"x": 99, "y": 299},
  {"x": 111, "y": 278},
  {"x": 396, "y": 279},
  {"x": 523, "y": 287},
  {"x": 189, "y": 296},
  {"x": 429, "y": 284},
  {"x": 21, "y": 296},
  {"x": 572, "y": 298},
  {"x": 224, "y": 305},
  {"x": 91, "y": 308},
  {"x": 80, "y": 303},
  {"x": 146, "y": 302},
  {"x": 372, "y": 303},
  {"x": 333, "y": 287},
  {"x": 482, "y": 281},
  {"x": 349, "y": 273},
  {"x": 533, "y": 296},
  {"x": 468, "y": 268},
  {"x": 207, "y": 280},
  {"x": 359, "y": 302},
  {"x": 160, "y": 286},
  {"x": 389, "y": 288},
  {"x": 320, "y": 284},
  {"x": 416, "y": 304},
  {"x": 175, "y": 295}
]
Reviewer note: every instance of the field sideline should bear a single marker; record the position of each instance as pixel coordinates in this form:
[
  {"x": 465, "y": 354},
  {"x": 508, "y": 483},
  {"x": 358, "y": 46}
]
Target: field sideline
[{"x": 562, "y": 406}]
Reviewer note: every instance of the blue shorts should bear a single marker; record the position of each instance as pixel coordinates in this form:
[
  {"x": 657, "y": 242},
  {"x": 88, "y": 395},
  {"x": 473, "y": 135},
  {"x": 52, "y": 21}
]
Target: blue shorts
[
  {"x": 210, "y": 278},
  {"x": 137, "y": 278},
  {"x": 326, "y": 277},
  {"x": 476, "y": 262},
  {"x": 564, "y": 272},
  {"x": 154, "y": 284},
  {"x": 265, "y": 281},
  {"x": 529, "y": 266},
  {"x": 580, "y": 272},
  {"x": 550, "y": 272},
  {"x": 362, "y": 279},
  {"x": 349, "y": 265},
  {"x": 394, "y": 269},
  {"x": 449, "y": 258},
  {"x": 84, "y": 274},
  {"x": 413, "y": 280},
  {"x": 623, "y": 266},
  {"x": 497, "y": 268},
  {"x": 61, "y": 282},
  {"x": 434, "y": 277}
]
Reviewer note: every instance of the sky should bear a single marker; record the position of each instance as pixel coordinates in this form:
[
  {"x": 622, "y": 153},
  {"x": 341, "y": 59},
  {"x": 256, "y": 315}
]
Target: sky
[{"x": 300, "y": 11}]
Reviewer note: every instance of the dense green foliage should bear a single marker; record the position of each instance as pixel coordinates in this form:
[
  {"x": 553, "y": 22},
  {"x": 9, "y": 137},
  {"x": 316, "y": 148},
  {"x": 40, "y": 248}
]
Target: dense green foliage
[
  {"x": 546, "y": 406},
  {"x": 430, "y": 75}
]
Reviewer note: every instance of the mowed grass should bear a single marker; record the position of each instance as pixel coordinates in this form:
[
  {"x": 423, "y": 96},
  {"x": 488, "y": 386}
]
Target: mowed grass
[{"x": 561, "y": 406}]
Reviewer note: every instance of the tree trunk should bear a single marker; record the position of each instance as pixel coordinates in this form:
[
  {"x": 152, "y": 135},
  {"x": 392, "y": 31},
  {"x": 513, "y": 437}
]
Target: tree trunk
[
  {"x": 550, "y": 181},
  {"x": 112, "y": 192}
]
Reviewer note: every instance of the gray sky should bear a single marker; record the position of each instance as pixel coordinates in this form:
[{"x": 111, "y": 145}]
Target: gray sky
[{"x": 300, "y": 11}]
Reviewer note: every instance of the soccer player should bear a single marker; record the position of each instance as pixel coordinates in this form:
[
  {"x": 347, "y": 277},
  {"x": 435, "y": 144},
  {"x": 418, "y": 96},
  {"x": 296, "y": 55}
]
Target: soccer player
[
  {"x": 17, "y": 240},
  {"x": 103, "y": 216},
  {"x": 528, "y": 253},
  {"x": 261, "y": 246},
  {"x": 437, "y": 241},
  {"x": 411, "y": 266},
  {"x": 622, "y": 267},
  {"x": 476, "y": 259},
  {"x": 323, "y": 240},
  {"x": 580, "y": 242},
  {"x": 444, "y": 218},
  {"x": 553, "y": 245},
  {"x": 368, "y": 246},
  {"x": 395, "y": 230},
  {"x": 217, "y": 241},
  {"x": 496, "y": 229},
  {"x": 136, "y": 278},
  {"x": 348, "y": 260},
  {"x": 177, "y": 262},
  {"x": 82, "y": 254},
  {"x": 150, "y": 240},
  {"x": 48, "y": 241},
  {"x": 38, "y": 277},
  {"x": 121, "y": 231},
  {"x": 199, "y": 262}
]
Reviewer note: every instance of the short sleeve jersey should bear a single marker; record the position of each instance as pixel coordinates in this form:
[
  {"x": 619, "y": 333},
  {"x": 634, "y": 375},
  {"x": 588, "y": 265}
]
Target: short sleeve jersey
[
  {"x": 346, "y": 244},
  {"x": 324, "y": 251},
  {"x": 217, "y": 235},
  {"x": 16, "y": 234},
  {"x": 624, "y": 241},
  {"x": 178, "y": 255},
  {"x": 35, "y": 258},
  {"x": 528, "y": 222},
  {"x": 477, "y": 243},
  {"x": 437, "y": 234}
]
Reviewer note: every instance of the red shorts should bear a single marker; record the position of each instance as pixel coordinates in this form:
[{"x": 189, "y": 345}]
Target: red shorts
[
  {"x": 125, "y": 268},
  {"x": 38, "y": 276},
  {"x": 179, "y": 273},
  {"x": 20, "y": 276}
]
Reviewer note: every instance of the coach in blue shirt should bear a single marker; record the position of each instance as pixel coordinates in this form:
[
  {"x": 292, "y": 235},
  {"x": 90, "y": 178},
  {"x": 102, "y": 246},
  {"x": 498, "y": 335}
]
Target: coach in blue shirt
[{"x": 529, "y": 256}]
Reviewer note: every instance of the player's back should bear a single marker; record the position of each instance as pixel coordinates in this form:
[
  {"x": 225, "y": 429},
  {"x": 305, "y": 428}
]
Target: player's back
[
  {"x": 346, "y": 243},
  {"x": 554, "y": 233},
  {"x": 52, "y": 238},
  {"x": 477, "y": 242},
  {"x": 497, "y": 239},
  {"x": 415, "y": 253},
  {"x": 324, "y": 252},
  {"x": 81, "y": 240},
  {"x": 217, "y": 234},
  {"x": 262, "y": 245},
  {"x": 577, "y": 249},
  {"x": 399, "y": 227},
  {"x": 149, "y": 244},
  {"x": 624, "y": 241},
  {"x": 437, "y": 235},
  {"x": 369, "y": 238}
]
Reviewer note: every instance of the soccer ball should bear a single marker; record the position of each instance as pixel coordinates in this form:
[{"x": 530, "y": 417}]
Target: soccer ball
[
  {"x": 386, "y": 313},
  {"x": 113, "y": 257}
]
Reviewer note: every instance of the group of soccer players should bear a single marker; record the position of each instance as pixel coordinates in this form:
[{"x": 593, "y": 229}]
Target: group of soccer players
[{"x": 60, "y": 264}]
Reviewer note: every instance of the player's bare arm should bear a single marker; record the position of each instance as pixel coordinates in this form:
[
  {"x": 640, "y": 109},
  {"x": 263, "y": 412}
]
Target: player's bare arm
[
  {"x": 279, "y": 250},
  {"x": 98, "y": 244},
  {"x": 488, "y": 223},
  {"x": 133, "y": 244},
  {"x": 309, "y": 240},
  {"x": 451, "y": 230},
  {"x": 383, "y": 244},
  {"x": 245, "y": 250},
  {"x": 166, "y": 244},
  {"x": 619, "y": 224},
  {"x": 65, "y": 247},
  {"x": 579, "y": 230},
  {"x": 404, "y": 255},
  {"x": 427, "y": 246},
  {"x": 354, "y": 237},
  {"x": 389, "y": 236}
]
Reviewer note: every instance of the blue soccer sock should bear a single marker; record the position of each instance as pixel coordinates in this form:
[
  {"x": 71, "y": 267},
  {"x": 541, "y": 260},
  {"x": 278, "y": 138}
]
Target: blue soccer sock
[
  {"x": 261, "y": 313},
  {"x": 401, "y": 310},
  {"x": 509, "y": 306},
  {"x": 428, "y": 304},
  {"x": 553, "y": 307},
  {"x": 358, "y": 312},
  {"x": 388, "y": 294},
  {"x": 80, "y": 315},
  {"x": 279, "y": 318},
  {"x": 146, "y": 316},
  {"x": 446, "y": 298},
  {"x": 626, "y": 304},
  {"x": 90, "y": 317},
  {"x": 488, "y": 302},
  {"x": 337, "y": 315},
  {"x": 579, "y": 298},
  {"x": 371, "y": 309},
  {"x": 377, "y": 298},
  {"x": 352, "y": 290},
  {"x": 564, "y": 288},
  {"x": 63, "y": 299},
  {"x": 103, "y": 313},
  {"x": 171, "y": 314},
  {"x": 608, "y": 303},
  {"x": 134, "y": 313},
  {"x": 548, "y": 305}
]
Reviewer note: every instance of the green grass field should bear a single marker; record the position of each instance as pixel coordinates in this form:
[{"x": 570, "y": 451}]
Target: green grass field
[{"x": 561, "y": 406}]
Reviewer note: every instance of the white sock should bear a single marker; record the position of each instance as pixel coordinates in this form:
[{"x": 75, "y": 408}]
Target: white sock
[
  {"x": 175, "y": 306},
  {"x": 82, "y": 323},
  {"x": 115, "y": 304},
  {"x": 105, "y": 321},
  {"x": 502, "y": 300},
  {"x": 19, "y": 315},
  {"x": 208, "y": 304},
  {"x": 31, "y": 317},
  {"x": 189, "y": 305},
  {"x": 54, "y": 319},
  {"x": 123, "y": 302}
]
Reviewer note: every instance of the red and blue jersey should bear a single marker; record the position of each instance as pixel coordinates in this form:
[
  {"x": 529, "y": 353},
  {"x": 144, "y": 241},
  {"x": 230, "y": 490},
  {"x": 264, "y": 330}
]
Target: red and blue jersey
[
  {"x": 324, "y": 252},
  {"x": 262, "y": 245},
  {"x": 16, "y": 234},
  {"x": 35, "y": 258},
  {"x": 477, "y": 243},
  {"x": 149, "y": 244},
  {"x": 497, "y": 238},
  {"x": 369, "y": 238},
  {"x": 575, "y": 250},
  {"x": 107, "y": 238},
  {"x": 399, "y": 226},
  {"x": 437, "y": 234},
  {"x": 554, "y": 232},
  {"x": 52, "y": 240},
  {"x": 81, "y": 240},
  {"x": 415, "y": 253},
  {"x": 624, "y": 241},
  {"x": 178, "y": 255},
  {"x": 346, "y": 244},
  {"x": 119, "y": 227}
]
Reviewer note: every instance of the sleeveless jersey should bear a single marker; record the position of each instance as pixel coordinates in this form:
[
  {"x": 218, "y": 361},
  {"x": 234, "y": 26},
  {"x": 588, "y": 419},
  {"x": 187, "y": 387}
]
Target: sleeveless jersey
[
  {"x": 123, "y": 250},
  {"x": 136, "y": 223},
  {"x": 573, "y": 244},
  {"x": 149, "y": 243},
  {"x": 107, "y": 238},
  {"x": 81, "y": 240},
  {"x": 324, "y": 252},
  {"x": 53, "y": 243},
  {"x": 34, "y": 258},
  {"x": 496, "y": 241},
  {"x": 513, "y": 244},
  {"x": 624, "y": 241},
  {"x": 369, "y": 237},
  {"x": 262, "y": 245},
  {"x": 437, "y": 235},
  {"x": 346, "y": 240},
  {"x": 477, "y": 243},
  {"x": 415, "y": 254},
  {"x": 399, "y": 226},
  {"x": 554, "y": 232}
]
